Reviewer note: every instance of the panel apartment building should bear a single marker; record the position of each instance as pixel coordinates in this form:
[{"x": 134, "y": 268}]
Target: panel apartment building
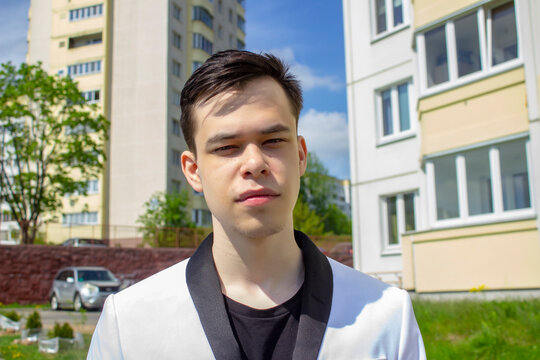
[
  {"x": 132, "y": 57},
  {"x": 445, "y": 142}
]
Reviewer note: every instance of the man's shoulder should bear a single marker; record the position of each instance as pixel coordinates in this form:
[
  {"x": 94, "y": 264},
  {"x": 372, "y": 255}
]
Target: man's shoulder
[
  {"x": 160, "y": 284},
  {"x": 354, "y": 284}
]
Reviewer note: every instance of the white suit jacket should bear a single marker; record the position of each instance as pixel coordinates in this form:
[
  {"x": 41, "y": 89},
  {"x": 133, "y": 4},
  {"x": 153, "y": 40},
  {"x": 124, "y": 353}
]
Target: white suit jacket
[{"x": 179, "y": 313}]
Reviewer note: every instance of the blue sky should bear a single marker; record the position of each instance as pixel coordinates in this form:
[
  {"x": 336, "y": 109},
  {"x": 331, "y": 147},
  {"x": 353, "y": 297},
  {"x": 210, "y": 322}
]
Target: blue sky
[{"x": 309, "y": 36}]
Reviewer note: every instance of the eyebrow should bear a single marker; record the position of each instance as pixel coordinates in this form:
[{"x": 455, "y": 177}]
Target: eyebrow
[{"x": 228, "y": 136}]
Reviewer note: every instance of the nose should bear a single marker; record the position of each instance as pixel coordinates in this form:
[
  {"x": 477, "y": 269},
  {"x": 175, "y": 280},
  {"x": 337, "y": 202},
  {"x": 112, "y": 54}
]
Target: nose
[{"x": 254, "y": 162}]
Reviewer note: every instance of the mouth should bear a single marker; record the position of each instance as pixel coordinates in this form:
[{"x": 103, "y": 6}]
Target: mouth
[{"x": 257, "y": 197}]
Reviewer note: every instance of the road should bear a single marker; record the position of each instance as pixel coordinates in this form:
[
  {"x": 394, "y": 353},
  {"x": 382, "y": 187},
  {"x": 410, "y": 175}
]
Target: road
[{"x": 80, "y": 321}]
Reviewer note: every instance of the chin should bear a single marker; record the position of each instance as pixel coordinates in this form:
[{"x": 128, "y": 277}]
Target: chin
[{"x": 255, "y": 229}]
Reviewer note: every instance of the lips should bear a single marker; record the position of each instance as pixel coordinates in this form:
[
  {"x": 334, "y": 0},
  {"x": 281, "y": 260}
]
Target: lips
[{"x": 258, "y": 194}]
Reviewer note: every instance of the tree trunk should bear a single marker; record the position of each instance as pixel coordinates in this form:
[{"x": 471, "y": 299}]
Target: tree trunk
[{"x": 24, "y": 226}]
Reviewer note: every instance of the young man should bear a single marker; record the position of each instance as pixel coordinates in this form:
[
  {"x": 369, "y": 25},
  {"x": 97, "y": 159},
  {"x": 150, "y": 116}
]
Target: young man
[{"x": 255, "y": 288}]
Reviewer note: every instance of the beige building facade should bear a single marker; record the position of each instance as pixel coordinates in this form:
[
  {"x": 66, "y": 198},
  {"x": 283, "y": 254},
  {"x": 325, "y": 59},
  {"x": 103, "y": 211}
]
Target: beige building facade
[
  {"x": 472, "y": 218},
  {"x": 132, "y": 57}
]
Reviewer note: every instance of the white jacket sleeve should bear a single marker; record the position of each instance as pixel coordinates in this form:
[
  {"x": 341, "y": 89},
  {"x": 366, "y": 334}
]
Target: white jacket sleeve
[
  {"x": 106, "y": 339},
  {"x": 411, "y": 345}
]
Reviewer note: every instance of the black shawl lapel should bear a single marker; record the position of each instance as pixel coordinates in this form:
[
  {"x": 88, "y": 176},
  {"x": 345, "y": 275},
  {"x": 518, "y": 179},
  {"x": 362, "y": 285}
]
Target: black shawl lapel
[
  {"x": 205, "y": 290},
  {"x": 316, "y": 300}
]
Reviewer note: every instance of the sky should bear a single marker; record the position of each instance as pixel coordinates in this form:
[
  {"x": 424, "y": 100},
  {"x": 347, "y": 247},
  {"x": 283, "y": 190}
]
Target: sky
[{"x": 307, "y": 35}]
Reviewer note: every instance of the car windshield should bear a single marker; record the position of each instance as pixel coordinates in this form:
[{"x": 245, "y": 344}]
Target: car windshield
[{"x": 99, "y": 275}]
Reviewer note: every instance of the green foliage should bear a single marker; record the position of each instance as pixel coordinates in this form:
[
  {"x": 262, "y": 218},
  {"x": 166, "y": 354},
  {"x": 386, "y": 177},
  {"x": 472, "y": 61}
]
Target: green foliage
[
  {"x": 480, "y": 329},
  {"x": 52, "y": 143},
  {"x": 34, "y": 321},
  {"x": 315, "y": 191},
  {"x": 9, "y": 350},
  {"x": 307, "y": 220},
  {"x": 63, "y": 331},
  {"x": 165, "y": 210},
  {"x": 336, "y": 221},
  {"x": 12, "y": 315}
]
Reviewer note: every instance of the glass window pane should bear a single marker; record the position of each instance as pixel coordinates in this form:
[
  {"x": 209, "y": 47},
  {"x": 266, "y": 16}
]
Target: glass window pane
[
  {"x": 380, "y": 16},
  {"x": 436, "y": 59},
  {"x": 446, "y": 188},
  {"x": 478, "y": 181},
  {"x": 388, "y": 127},
  {"x": 398, "y": 12},
  {"x": 404, "y": 115},
  {"x": 514, "y": 175},
  {"x": 391, "y": 218},
  {"x": 468, "y": 48},
  {"x": 410, "y": 222},
  {"x": 503, "y": 34}
]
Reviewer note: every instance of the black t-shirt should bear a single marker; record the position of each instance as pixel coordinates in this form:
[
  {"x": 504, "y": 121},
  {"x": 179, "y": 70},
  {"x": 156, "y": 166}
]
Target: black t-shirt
[{"x": 265, "y": 334}]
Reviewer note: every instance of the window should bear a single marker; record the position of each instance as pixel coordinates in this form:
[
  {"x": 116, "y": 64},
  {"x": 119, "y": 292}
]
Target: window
[
  {"x": 176, "y": 157},
  {"x": 92, "y": 186},
  {"x": 177, "y": 12},
  {"x": 241, "y": 23},
  {"x": 201, "y": 217},
  {"x": 200, "y": 42},
  {"x": 220, "y": 6},
  {"x": 240, "y": 44},
  {"x": 458, "y": 48},
  {"x": 230, "y": 16},
  {"x": 201, "y": 14},
  {"x": 176, "y": 127},
  {"x": 195, "y": 65},
  {"x": 91, "y": 67},
  {"x": 85, "y": 12},
  {"x": 176, "y": 98},
  {"x": 85, "y": 40},
  {"x": 490, "y": 181},
  {"x": 176, "y": 68},
  {"x": 388, "y": 15},
  {"x": 82, "y": 218},
  {"x": 399, "y": 216},
  {"x": 91, "y": 96},
  {"x": 220, "y": 32},
  {"x": 176, "y": 185},
  {"x": 394, "y": 111},
  {"x": 177, "y": 40}
]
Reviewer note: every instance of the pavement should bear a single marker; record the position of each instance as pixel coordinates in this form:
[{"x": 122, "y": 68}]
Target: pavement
[{"x": 80, "y": 321}]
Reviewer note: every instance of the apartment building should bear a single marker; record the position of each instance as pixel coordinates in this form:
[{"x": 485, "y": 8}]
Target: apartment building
[
  {"x": 445, "y": 141},
  {"x": 132, "y": 57}
]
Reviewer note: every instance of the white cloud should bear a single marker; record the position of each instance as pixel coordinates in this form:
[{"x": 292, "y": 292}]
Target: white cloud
[
  {"x": 326, "y": 134},
  {"x": 305, "y": 74}
]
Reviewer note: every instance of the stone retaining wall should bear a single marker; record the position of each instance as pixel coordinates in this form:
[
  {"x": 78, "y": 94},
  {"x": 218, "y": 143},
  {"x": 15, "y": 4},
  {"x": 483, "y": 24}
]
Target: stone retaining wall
[{"x": 27, "y": 271}]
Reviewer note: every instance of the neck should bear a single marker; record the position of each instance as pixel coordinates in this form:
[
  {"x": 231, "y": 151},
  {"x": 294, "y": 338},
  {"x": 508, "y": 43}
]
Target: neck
[{"x": 258, "y": 272}]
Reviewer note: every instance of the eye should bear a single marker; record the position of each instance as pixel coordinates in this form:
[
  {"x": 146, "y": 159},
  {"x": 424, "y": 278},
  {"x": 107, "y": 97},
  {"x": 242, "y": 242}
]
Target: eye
[
  {"x": 226, "y": 148},
  {"x": 274, "y": 141}
]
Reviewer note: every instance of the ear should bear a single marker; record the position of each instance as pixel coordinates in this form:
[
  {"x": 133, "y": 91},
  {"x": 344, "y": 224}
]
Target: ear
[
  {"x": 302, "y": 154},
  {"x": 191, "y": 170}
]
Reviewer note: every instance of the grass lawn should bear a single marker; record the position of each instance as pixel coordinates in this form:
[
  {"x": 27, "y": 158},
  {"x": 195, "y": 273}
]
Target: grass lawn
[
  {"x": 9, "y": 351},
  {"x": 480, "y": 329}
]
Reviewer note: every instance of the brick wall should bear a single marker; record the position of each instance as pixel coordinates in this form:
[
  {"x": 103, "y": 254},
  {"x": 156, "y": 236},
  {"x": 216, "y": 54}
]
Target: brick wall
[{"x": 27, "y": 271}]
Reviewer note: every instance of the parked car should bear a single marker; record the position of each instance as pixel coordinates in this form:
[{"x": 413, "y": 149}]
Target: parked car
[
  {"x": 84, "y": 242},
  {"x": 82, "y": 287}
]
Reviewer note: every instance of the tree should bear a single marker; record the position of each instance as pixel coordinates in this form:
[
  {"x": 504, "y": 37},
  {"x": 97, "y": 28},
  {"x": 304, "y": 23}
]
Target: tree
[
  {"x": 315, "y": 192},
  {"x": 165, "y": 210},
  {"x": 52, "y": 142},
  {"x": 307, "y": 220}
]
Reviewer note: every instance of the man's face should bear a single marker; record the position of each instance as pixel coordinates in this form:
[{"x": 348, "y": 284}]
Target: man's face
[{"x": 249, "y": 159}]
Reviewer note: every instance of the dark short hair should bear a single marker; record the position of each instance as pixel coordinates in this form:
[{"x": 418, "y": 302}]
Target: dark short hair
[{"x": 232, "y": 70}]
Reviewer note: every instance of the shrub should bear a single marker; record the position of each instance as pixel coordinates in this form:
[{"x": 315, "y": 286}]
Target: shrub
[
  {"x": 34, "y": 321},
  {"x": 63, "y": 331},
  {"x": 12, "y": 315}
]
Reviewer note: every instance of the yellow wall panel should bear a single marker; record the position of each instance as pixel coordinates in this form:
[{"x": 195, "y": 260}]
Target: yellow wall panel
[
  {"x": 503, "y": 255},
  {"x": 478, "y": 112},
  {"x": 428, "y": 11}
]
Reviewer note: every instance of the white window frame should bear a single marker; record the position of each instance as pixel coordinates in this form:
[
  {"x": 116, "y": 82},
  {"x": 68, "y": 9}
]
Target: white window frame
[
  {"x": 498, "y": 214},
  {"x": 83, "y": 218},
  {"x": 390, "y": 28},
  {"x": 485, "y": 40},
  {"x": 397, "y": 134},
  {"x": 393, "y": 249}
]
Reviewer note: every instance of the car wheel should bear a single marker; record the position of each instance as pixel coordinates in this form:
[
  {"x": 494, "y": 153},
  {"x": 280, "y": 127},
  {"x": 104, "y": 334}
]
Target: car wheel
[
  {"x": 54, "y": 303},
  {"x": 77, "y": 303}
]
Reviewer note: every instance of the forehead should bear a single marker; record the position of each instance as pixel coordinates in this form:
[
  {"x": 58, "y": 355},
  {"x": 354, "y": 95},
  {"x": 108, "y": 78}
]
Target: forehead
[{"x": 258, "y": 94}]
